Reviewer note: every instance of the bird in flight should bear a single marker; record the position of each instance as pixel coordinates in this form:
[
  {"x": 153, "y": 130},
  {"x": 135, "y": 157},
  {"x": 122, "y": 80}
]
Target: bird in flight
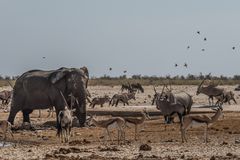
[
  {"x": 203, "y": 49},
  {"x": 185, "y": 65},
  {"x": 233, "y": 48},
  {"x": 43, "y": 57},
  {"x": 176, "y": 65},
  {"x": 205, "y": 39},
  {"x": 198, "y": 32},
  {"x": 188, "y": 47},
  {"x": 110, "y": 68},
  {"x": 125, "y": 71}
]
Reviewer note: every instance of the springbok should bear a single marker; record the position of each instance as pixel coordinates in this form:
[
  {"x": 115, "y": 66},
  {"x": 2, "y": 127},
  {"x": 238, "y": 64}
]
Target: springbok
[
  {"x": 113, "y": 122},
  {"x": 5, "y": 128},
  {"x": 137, "y": 121},
  {"x": 198, "y": 120}
]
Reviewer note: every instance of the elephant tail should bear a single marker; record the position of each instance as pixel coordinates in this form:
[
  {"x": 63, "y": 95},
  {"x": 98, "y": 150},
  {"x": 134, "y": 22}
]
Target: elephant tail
[{"x": 59, "y": 121}]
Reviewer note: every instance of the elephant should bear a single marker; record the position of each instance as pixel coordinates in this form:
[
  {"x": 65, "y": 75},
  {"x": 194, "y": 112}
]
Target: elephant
[{"x": 38, "y": 89}]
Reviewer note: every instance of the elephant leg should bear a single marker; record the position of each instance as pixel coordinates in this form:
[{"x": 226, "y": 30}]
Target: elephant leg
[
  {"x": 12, "y": 115},
  {"x": 166, "y": 119},
  {"x": 39, "y": 114},
  {"x": 57, "y": 112},
  {"x": 116, "y": 103},
  {"x": 81, "y": 117},
  {"x": 26, "y": 113}
]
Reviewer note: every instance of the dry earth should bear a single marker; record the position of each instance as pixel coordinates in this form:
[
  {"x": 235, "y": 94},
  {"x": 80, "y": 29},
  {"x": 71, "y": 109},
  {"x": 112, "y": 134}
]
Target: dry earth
[{"x": 164, "y": 140}]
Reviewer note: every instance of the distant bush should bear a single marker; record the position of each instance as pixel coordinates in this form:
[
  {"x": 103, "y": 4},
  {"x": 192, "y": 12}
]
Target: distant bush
[
  {"x": 148, "y": 80},
  {"x": 160, "y": 80}
]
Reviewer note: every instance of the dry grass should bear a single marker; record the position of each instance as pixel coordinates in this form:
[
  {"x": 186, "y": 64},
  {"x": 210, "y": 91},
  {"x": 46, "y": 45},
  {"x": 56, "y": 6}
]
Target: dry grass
[
  {"x": 147, "y": 82},
  {"x": 5, "y": 82}
]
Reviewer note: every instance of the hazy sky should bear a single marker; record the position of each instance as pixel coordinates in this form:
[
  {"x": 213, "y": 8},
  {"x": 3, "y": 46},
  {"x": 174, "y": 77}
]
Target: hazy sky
[{"x": 141, "y": 36}]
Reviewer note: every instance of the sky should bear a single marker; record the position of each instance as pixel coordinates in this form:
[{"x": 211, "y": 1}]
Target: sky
[{"x": 144, "y": 37}]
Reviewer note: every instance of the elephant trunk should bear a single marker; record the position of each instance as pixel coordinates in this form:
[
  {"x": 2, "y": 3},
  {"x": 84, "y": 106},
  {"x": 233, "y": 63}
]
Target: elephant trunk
[{"x": 81, "y": 111}]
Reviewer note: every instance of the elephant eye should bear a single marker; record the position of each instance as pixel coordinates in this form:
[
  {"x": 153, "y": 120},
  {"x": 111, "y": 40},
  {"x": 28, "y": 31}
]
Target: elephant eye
[{"x": 75, "y": 85}]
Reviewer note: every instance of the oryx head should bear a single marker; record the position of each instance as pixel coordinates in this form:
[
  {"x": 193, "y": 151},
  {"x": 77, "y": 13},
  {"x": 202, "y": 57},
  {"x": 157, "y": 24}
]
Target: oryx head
[{"x": 199, "y": 87}]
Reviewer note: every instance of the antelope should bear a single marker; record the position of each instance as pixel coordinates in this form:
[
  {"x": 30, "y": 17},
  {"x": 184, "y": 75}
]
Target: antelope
[
  {"x": 5, "y": 96},
  {"x": 137, "y": 121},
  {"x": 99, "y": 101},
  {"x": 50, "y": 112},
  {"x": 227, "y": 96},
  {"x": 237, "y": 88},
  {"x": 114, "y": 122},
  {"x": 182, "y": 98},
  {"x": 211, "y": 91},
  {"x": 126, "y": 87},
  {"x": 124, "y": 98},
  {"x": 137, "y": 86},
  {"x": 132, "y": 87},
  {"x": 5, "y": 127},
  {"x": 191, "y": 120},
  {"x": 168, "y": 109},
  {"x": 65, "y": 123}
]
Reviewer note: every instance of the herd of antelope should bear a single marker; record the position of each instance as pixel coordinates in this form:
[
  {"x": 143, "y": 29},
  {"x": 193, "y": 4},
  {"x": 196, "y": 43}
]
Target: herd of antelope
[{"x": 166, "y": 101}]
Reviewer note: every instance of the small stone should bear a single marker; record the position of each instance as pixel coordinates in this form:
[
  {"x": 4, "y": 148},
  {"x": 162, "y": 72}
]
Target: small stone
[
  {"x": 224, "y": 143},
  {"x": 140, "y": 156},
  {"x": 48, "y": 156},
  {"x": 182, "y": 156},
  {"x": 237, "y": 141},
  {"x": 229, "y": 154},
  {"x": 45, "y": 138},
  {"x": 212, "y": 158},
  {"x": 145, "y": 147}
]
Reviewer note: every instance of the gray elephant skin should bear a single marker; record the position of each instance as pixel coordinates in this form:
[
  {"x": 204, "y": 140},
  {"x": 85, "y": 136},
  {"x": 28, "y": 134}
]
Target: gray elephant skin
[{"x": 37, "y": 89}]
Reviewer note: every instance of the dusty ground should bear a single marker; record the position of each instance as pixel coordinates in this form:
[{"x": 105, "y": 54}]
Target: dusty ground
[{"x": 224, "y": 136}]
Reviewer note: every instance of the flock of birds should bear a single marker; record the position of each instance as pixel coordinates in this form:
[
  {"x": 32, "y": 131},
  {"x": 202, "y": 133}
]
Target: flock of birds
[
  {"x": 203, "y": 49},
  {"x": 175, "y": 65}
]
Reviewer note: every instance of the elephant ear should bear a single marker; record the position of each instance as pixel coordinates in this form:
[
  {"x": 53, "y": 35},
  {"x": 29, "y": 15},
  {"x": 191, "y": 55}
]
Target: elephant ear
[
  {"x": 85, "y": 71},
  {"x": 56, "y": 76}
]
